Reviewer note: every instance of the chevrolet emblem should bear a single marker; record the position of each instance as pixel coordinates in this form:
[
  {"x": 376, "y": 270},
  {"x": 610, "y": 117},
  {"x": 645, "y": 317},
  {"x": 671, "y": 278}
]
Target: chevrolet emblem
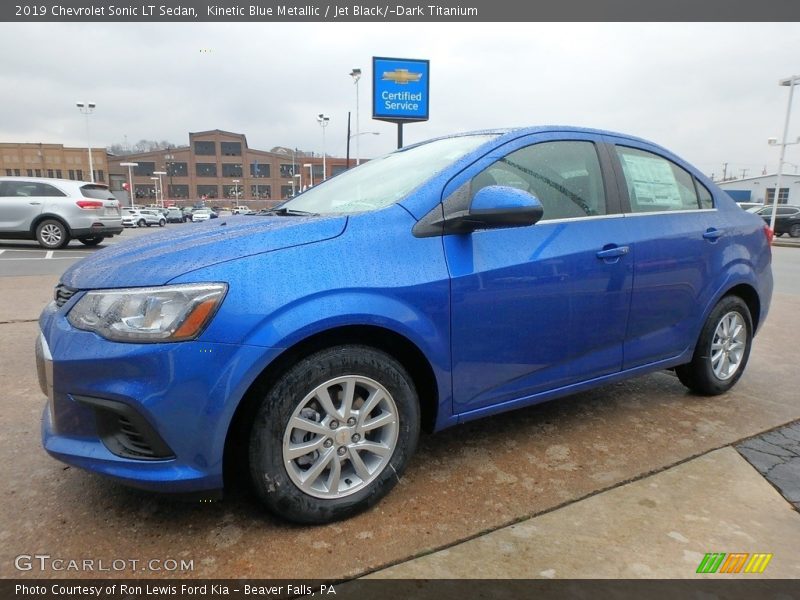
[{"x": 401, "y": 76}]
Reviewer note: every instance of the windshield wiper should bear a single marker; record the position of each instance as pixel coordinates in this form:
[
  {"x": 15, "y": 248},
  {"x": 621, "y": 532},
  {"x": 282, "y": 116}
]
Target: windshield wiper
[{"x": 290, "y": 212}]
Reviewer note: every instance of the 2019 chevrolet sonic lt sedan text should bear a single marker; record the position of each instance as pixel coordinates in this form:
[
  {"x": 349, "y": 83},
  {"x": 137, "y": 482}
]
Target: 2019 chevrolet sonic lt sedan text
[{"x": 444, "y": 282}]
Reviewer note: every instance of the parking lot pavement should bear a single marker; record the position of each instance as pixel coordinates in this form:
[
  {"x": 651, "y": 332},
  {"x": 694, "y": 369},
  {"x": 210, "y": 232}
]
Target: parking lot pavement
[{"x": 659, "y": 527}]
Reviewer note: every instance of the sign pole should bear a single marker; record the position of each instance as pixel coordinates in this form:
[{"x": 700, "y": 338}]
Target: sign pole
[{"x": 399, "y": 135}]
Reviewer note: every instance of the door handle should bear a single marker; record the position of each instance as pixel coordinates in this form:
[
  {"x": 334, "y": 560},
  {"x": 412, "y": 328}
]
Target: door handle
[
  {"x": 34, "y": 203},
  {"x": 712, "y": 234},
  {"x": 614, "y": 252}
]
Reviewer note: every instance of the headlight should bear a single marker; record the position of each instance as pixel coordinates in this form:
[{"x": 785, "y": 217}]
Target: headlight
[{"x": 168, "y": 313}]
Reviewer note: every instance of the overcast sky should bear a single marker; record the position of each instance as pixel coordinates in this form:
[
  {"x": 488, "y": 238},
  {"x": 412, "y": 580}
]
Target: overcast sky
[{"x": 708, "y": 92}]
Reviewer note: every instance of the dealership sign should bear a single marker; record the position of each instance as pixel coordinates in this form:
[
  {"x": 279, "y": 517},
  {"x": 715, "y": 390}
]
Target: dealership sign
[{"x": 400, "y": 89}]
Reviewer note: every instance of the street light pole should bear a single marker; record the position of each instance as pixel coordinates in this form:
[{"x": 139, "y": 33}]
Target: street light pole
[
  {"x": 356, "y": 75},
  {"x": 323, "y": 121},
  {"x": 236, "y": 189},
  {"x": 130, "y": 178},
  {"x": 160, "y": 184},
  {"x": 790, "y": 83},
  {"x": 87, "y": 108}
]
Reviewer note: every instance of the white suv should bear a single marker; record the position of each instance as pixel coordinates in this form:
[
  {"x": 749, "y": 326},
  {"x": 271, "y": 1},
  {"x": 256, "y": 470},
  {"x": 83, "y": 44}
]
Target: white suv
[
  {"x": 139, "y": 217},
  {"x": 53, "y": 211}
]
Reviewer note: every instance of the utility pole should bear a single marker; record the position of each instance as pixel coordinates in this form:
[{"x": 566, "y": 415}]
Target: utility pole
[{"x": 724, "y": 171}]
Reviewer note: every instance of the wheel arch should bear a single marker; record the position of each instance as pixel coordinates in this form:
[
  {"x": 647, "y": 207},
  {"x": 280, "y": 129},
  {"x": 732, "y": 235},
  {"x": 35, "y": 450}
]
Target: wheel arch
[
  {"x": 44, "y": 217},
  {"x": 750, "y": 297},
  {"x": 395, "y": 344}
]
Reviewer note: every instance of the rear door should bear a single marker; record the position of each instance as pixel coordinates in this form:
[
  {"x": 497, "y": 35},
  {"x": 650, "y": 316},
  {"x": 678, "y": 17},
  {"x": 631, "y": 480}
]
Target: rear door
[
  {"x": 679, "y": 239},
  {"x": 537, "y": 308}
]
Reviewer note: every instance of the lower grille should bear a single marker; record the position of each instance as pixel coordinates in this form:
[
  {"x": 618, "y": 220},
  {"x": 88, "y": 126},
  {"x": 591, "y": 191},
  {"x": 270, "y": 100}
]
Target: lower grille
[
  {"x": 62, "y": 294},
  {"x": 125, "y": 432}
]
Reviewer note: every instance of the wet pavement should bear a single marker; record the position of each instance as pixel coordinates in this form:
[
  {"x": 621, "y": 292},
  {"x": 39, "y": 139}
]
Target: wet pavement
[
  {"x": 776, "y": 455},
  {"x": 462, "y": 483}
]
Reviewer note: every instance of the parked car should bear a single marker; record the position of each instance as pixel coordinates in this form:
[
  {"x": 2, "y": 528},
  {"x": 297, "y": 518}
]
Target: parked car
[
  {"x": 174, "y": 215},
  {"x": 202, "y": 214},
  {"x": 187, "y": 213},
  {"x": 447, "y": 281},
  {"x": 240, "y": 209},
  {"x": 54, "y": 211},
  {"x": 143, "y": 217},
  {"x": 749, "y": 205},
  {"x": 787, "y": 218}
]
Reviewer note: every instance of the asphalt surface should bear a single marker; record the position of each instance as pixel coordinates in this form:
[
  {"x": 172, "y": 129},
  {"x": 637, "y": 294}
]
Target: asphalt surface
[{"x": 462, "y": 483}]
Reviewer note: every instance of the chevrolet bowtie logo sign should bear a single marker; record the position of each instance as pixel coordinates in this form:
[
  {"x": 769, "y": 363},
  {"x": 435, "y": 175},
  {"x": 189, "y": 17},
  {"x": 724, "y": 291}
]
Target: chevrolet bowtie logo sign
[{"x": 401, "y": 76}]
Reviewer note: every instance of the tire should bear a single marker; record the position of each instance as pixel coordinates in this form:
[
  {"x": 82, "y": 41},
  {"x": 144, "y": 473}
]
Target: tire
[
  {"x": 52, "y": 234},
  {"x": 161, "y": 223},
  {"x": 794, "y": 230},
  {"x": 342, "y": 487},
  {"x": 141, "y": 223},
  {"x": 706, "y": 375},
  {"x": 92, "y": 240}
]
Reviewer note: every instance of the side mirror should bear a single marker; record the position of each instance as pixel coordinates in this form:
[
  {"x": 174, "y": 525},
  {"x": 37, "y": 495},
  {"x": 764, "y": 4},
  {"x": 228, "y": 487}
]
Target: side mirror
[{"x": 496, "y": 206}]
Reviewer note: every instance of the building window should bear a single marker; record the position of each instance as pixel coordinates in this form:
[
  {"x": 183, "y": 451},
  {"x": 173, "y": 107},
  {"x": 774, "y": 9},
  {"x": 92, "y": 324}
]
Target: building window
[
  {"x": 286, "y": 191},
  {"x": 144, "y": 191},
  {"x": 79, "y": 175},
  {"x": 287, "y": 170},
  {"x": 337, "y": 169},
  {"x": 9, "y": 172},
  {"x": 259, "y": 169},
  {"x": 49, "y": 172},
  {"x": 231, "y": 148},
  {"x": 99, "y": 175},
  {"x": 783, "y": 197},
  {"x": 177, "y": 169},
  {"x": 17, "y": 172},
  {"x": 71, "y": 173},
  {"x": 30, "y": 172},
  {"x": 59, "y": 174},
  {"x": 206, "y": 170},
  {"x": 178, "y": 191},
  {"x": 261, "y": 192},
  {"x": 38, "y": 172},
  {"x": 205, "y": 148},
  {"x": 207, "y": 191},
  {"x": 233, "y": 192},
  {"x": 231, "y": 170},
  {"x": 317, "y": 171},
  {"x": 145, "y": 169}
]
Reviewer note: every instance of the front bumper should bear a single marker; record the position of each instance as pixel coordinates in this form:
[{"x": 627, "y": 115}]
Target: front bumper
[{"x": 180, "y": 394}]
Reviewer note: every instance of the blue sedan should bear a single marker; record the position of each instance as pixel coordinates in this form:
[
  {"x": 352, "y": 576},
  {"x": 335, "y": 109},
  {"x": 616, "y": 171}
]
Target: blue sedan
[{"x": 447, "y": 281}]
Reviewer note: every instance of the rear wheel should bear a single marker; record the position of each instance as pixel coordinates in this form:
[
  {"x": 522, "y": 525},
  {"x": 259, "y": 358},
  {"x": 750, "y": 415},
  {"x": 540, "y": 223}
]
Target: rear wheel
[
  {"x": 161, "y": 223},
  {"x": 794, "y": 230},
  {"x": 52, "y": 234},
  {"x": 722, "y": 350},
  {"x": 334, "y": 434},
  {"x": 141, "y": 223},
  {"x": 91, "y": 240}
]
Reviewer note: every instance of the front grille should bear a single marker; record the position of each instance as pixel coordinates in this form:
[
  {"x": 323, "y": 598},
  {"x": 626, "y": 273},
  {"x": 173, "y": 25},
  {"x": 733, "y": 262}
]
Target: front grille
[{"x": 62, "y": 294}]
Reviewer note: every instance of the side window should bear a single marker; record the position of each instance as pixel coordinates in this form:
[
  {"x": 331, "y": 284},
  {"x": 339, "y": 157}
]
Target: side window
[
  {"x": 20, "y": 188},
  {"x": 656, "y": 184},
  {"x": 44, "y": 189},
  {"x": 706, "y": 199},
  {"x": 564, "y": 176}
]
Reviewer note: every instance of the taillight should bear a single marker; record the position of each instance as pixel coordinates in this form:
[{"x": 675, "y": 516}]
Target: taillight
[
  {"x": 90, "y": 204},
  {"x": 769, "y": 233}
]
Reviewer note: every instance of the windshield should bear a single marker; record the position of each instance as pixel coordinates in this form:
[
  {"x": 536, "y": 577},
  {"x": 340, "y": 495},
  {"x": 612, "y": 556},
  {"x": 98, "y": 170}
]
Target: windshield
[{"x": 385, "y": 180}]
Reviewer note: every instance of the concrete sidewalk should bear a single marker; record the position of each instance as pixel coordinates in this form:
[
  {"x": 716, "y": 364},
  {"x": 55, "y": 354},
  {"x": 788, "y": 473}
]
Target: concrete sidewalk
[{"x": 660, "y": 526}]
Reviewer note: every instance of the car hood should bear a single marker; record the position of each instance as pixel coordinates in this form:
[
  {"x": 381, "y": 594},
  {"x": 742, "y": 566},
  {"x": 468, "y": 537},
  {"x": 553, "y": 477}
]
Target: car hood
[{"x": 157, "y": 258}]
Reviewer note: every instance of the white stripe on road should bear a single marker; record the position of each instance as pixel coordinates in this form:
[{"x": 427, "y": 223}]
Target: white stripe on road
[
  {"x": 1, "y": 251},
  {"x": 49, "y": 254}
]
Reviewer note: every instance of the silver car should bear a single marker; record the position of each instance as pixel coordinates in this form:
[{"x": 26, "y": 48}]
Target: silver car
[{"x": 54, "y": 211}]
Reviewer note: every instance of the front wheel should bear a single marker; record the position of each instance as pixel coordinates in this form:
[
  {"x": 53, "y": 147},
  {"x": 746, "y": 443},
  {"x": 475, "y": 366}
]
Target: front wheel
[
  {"x": 722, "y": 350},
  {"x": 334, "y": 434},
  {"x": 161, "y": 223},
  {"x": 794, "y": 230}
]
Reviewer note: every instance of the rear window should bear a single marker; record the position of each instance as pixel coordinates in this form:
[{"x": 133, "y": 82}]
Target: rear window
[{"x": 97, "y": 192}]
